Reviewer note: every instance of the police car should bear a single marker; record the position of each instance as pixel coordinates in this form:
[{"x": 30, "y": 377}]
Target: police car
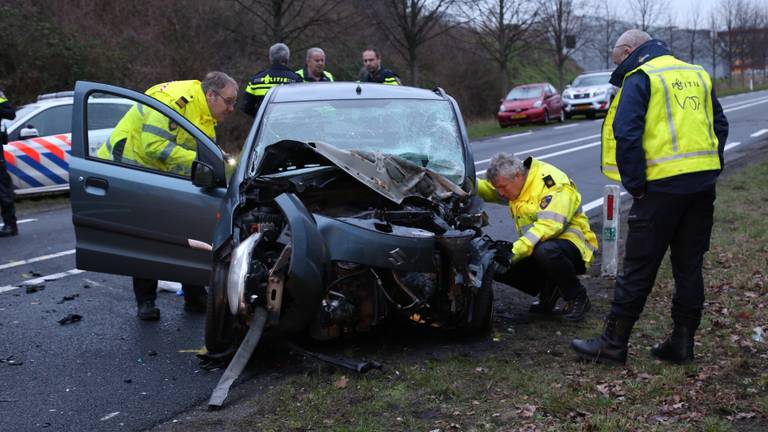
[{"x": 38, "y": 149}]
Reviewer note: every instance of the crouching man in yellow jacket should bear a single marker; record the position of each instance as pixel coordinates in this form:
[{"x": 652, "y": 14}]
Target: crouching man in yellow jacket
[{"x": 555, "y": 242}]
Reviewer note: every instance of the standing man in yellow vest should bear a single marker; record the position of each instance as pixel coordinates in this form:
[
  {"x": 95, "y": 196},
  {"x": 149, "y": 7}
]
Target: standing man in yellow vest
[
  {"x": 314, "y": 69},
  {"x": 555, "y": 244},
  {"x": 663, "y": 138},
  {"x": 277, "y": 74},
  {"x": 147, "y": 138},
  {"x": 7, "y": 207}
]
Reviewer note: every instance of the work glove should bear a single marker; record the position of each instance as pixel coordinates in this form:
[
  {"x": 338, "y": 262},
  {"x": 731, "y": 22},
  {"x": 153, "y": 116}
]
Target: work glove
[{"x": 503, "y": 255}]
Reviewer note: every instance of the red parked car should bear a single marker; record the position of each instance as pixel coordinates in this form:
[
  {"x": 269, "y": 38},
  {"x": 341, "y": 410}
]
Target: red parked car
[{"x": 531, "y": 103}]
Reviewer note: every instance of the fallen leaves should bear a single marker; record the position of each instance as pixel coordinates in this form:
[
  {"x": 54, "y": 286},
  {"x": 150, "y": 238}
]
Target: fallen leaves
[{"x": 341, "y": 383}]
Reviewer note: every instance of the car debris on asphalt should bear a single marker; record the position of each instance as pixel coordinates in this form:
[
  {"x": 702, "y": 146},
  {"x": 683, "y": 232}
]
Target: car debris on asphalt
[{"x": 69, "y": 319}]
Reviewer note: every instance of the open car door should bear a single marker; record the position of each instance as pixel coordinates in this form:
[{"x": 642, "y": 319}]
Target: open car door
[{"x": 137, "y": 220}]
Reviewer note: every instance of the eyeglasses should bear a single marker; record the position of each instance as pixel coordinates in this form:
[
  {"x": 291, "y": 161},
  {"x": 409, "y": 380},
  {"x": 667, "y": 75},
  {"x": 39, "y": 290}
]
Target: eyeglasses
[
  {"x": 228, "y": 102},
  {"x": 622, "y": 45}
]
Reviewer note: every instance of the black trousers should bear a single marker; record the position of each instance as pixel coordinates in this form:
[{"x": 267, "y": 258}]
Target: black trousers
[
  {"x": 658, "y": 221},
  {"x": 7, "y": 208},
  {"x": 555, "y": 261},
  {"x": 146, "y": 290}
]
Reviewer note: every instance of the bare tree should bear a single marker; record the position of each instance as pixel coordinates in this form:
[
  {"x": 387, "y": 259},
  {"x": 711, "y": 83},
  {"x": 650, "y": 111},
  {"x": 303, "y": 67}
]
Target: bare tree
[
  {"x": 564, "y": 29},
  {"x": 694, "y": 16},
  {"x": 669, "y": 30},
  {"x": 714, "y": 43},
  {"x": 647, "y": 11},
  {"x": 603, "y": 43},
  {"x": 409, "y": 24},
  {"x": 500, "y": 28},
  {"x": 265, "y": 22}
]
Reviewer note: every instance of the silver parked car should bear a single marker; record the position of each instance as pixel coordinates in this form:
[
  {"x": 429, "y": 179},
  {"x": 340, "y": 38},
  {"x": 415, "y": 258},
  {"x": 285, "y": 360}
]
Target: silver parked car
[{"x": 589, "y": 94}]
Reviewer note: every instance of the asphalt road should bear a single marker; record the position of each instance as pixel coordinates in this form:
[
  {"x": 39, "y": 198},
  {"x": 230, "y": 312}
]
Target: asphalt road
[{"x": 110, "y": 371}]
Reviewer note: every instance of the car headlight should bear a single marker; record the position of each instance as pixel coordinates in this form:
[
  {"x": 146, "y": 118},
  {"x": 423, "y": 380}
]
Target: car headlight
[
  {"x": 567, "y": 95},
  {"x": 598, "y": 93},
  {"x": 502, "y": 109},
  {"x": 537, "y": 104}
]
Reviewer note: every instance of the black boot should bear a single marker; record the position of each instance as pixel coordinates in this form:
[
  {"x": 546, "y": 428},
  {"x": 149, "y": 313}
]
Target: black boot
[
  {"x": 147, "y": 311},
  {"x": 547, "y": 299},
  {"x": 9, "y": 230},
  {"x": 610, "y": 346},
  {"x": 678, "y": 347},
  {"x": 577, "y": 309}
]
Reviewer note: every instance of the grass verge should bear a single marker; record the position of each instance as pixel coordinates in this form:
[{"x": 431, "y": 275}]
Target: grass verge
[{"x": 524, "y": 377}]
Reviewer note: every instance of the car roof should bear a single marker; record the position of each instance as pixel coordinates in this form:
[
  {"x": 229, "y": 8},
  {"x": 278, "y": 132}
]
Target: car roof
[
  {"x": 532, "y": 85},
  {"x": 597, "y": 73},
  {"x": 348, "y": 90}
]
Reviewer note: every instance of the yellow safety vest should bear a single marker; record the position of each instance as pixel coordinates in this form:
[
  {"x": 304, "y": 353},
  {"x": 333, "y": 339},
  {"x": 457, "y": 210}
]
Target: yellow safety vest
[
  {"x": 151, "y": 139},
  {"x": 549, "y": 206},
  {"x": 679, "y": 136},
  {"x": 328, "y": 75}
]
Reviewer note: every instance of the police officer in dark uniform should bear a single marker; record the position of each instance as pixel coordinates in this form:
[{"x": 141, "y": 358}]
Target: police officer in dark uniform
[
  {"x": 373, "y": 71},
  {"x": 7, "y": 111},
  {"x": 277, "y": 74}
]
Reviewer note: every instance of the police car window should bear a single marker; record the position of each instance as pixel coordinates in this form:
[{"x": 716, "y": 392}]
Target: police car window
[
  {"x": 134, "y": 135},
  {"x": 52, "y": 121},
  {"x": 105, "y": 115}
]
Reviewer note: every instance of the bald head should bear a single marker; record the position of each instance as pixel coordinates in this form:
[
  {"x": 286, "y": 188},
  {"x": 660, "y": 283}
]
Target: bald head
[{"x": 628, "y": 42}]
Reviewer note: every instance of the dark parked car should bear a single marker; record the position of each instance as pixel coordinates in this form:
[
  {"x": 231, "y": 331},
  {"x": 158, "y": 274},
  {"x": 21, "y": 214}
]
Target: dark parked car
[
  {"x": 351, "y": 204},
  {"x": 530, "y": 103}
]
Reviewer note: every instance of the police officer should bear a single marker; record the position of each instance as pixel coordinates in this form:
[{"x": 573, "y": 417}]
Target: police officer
[
  {"x": 7, "y": 111},
  {"x": 373, "y": 72},
  {"x": 555, "y": 243},
  {"x": 148, "y": 138},
  {"x": 314, "y": 69},
  {"x": 277, "y": 74},
  {"x": 663, "y": 137}
]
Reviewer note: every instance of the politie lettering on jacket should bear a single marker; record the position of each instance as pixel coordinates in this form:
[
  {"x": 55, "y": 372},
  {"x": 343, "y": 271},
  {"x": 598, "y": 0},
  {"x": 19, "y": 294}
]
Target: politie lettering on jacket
[{"x": 683, "y": 101}]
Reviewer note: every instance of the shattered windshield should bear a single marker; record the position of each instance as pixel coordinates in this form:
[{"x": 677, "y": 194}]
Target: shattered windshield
[{"x": 424, "y": 132}]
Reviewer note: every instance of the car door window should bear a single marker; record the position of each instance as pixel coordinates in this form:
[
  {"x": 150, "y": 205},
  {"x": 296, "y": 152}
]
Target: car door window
[
  {"x": 51, "y": 121},
  {"x": 106, "y": 115},
  {"x": 142, "y": 138}
]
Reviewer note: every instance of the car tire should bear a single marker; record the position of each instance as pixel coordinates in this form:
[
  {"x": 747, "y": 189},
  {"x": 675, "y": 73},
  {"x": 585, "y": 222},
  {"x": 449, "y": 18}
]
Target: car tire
[
  {"x": 220, "y": 333},
  {"x": 482, "y": 309},
  {"x": 591, "y": 116},
  {"x": 561, "y": 118},
  {"x": 546, "y": 117}
]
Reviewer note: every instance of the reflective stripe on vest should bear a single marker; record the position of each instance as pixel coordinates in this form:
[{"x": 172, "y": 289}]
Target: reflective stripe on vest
[{"x": 679, "y": 136}]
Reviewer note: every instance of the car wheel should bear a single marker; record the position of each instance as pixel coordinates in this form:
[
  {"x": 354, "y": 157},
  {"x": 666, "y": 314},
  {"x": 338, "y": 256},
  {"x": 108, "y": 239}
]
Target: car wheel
[
  {"x": 546, "y": 117},
  {"x": 482, "y": 308},
  {"x": 219, "y": 322},
  {"x": 591, "y": 116},
  {"x": 562, "y": 116},
  {"x": 568, "y": 116}
]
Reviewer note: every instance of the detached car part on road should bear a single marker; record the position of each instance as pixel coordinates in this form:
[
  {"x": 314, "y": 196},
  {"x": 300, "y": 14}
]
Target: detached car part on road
[{"x": 351, "y": 204}]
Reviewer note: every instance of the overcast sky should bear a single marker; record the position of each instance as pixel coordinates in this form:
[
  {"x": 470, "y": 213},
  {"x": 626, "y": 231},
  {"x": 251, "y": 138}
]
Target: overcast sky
[{"x": 680, "y": 8}]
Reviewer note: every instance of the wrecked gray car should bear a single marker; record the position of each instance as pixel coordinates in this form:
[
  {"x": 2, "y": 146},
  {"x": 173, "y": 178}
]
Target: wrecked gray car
[
  {"x": 352, "y": 204},
  {"x": 357, "y": 206}
]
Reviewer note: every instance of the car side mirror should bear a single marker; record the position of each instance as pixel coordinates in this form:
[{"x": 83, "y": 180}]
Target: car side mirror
[
  {"x": 202, "y": 175},
  {"x": 28, "y": 132},
  {"x": 501, "y": 100}
]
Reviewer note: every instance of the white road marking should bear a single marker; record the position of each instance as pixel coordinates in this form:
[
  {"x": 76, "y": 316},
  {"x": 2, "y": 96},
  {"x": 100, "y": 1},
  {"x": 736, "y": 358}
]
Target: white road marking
[
  {"x": 754, "y": 102},
  {"x": 36, "y": 259},
  {"x": 110, "y": 415},
  {"x": 517, "y": 135},
  {"x": 758, "y": 133},
  {"x": 546, "y": 147},
  {"x": 41, "y": 280},
  {"x": 566, "y": 126},
  {"x": 25, "y": 221},
  {"x": 546, "y": 156},
  {"x": 732, "y": 145},
  {"x": 596, "y": 203}
]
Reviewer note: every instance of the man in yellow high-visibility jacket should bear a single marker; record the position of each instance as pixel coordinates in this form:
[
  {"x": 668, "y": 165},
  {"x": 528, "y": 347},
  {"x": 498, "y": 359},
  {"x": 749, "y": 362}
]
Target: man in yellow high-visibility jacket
[
  {"x": 555, "y": 243},
  {"x": 148, "y": 138},
  {"x": 664, "y": 138},
  {"x": 314, "y": 68},
  {"x": 7, "y": 206}
]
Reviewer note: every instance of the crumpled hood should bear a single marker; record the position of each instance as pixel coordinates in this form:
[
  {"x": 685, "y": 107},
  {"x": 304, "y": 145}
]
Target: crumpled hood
[{"x": 391, "y": 176}]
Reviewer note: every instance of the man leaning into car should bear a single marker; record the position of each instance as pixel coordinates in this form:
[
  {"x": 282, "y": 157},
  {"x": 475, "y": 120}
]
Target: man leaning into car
[
  {"x": 555, "y": 244},
  {"x": 147, "y": 138},
  {"x": 7, "y": 111}
]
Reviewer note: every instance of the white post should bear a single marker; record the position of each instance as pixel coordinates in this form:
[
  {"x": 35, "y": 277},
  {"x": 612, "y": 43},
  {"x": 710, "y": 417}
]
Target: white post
[{"x": 611, "y": 195}]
